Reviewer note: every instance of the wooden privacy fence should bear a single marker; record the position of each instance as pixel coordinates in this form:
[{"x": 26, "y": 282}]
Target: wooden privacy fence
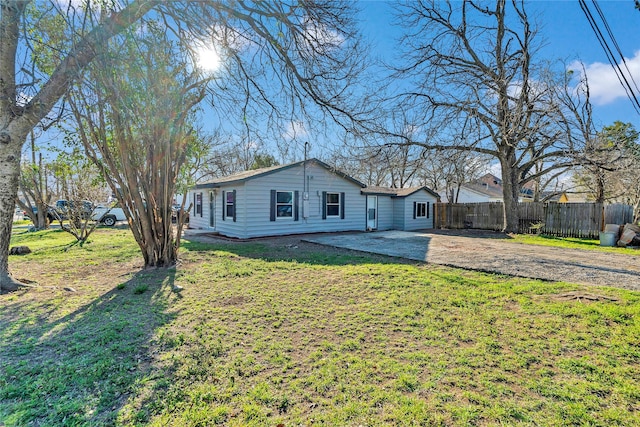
[
  {"x": 557, "y": 219},
  {"x": 573, "y": 219},
  {"x": 618, "y": 213}
]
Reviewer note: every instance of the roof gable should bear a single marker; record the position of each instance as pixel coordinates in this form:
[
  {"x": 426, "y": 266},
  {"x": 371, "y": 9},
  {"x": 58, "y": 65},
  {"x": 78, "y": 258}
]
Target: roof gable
[{"x": 257, "y": 173}]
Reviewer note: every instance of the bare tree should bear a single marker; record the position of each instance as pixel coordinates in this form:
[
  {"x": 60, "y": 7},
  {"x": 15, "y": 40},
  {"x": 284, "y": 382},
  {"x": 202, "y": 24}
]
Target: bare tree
[
  {"x": 359, "y": 162},
  {"x": 284, "y": 65},
  {"x": 235, "y": 155},
  {"x": 605, "y": 160},
  {"x": 28, "y": 92},
  {"x": 472, "y": 74},
  {"x": 81, "y": 186},
  {"x": 395, "y": 166},
  {"x": 34, "y": 187},
  {"x": 610, "y": 171},
  {"x": 447, "y": 170}
]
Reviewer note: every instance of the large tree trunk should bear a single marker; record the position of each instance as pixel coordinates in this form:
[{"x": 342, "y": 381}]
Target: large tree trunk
[
  {"x": 158, "y": 254},
  {"x": 158, "y": 247},
  {"x": 17, "y": 120},
  {"x": 10, "y": 147},
  {"x": 510, "y": 192},
  {"x": 600, "y": 184}
]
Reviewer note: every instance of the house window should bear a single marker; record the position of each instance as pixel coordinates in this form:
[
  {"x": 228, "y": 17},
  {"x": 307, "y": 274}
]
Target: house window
[
  {"x": 230, "y": 204},
  {"x": 333, "y": 204},
  {"x": 284, "y": 204},
  {"x": 198, "y": 204},
  {"x": 420, "y": 210}
]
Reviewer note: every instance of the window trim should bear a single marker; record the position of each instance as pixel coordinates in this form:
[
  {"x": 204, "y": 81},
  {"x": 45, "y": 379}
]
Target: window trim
[
  {"x": 273, "y": 197},
  {"x": 212, "y": 209}
]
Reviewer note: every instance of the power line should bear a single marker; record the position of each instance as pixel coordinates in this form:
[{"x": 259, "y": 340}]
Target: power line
[
  {"x": 611, "y": 57},
  {"x": 615, "y": 43}
]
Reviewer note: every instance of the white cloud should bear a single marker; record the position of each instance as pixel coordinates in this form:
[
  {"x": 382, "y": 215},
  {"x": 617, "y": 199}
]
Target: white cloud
[
  {"x": 604, "y": 85},
  {"x": 321, "y": 38},
  {"x": 495, "y": 169},
  {"x": 294, "y": 130}
]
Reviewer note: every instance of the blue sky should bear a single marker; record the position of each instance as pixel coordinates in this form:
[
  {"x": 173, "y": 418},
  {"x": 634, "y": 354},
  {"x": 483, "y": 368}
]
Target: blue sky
[{"x": 566, "y": 34}]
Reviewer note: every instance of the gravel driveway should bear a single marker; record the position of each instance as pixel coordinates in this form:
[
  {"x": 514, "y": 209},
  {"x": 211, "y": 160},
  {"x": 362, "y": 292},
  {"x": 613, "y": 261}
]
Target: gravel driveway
[{"x": 492, "y": 252}]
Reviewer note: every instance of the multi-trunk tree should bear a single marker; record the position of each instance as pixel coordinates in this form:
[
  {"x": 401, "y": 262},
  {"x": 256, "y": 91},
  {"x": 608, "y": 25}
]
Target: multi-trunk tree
[
  {"x": 134, "y": 113},
  {"x": 35, "y": 190},
  {"x": 80, "y": 186}
]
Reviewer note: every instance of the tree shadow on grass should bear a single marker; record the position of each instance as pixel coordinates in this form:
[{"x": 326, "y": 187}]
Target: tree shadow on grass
[
  {"x": 587, "y": 243},
  {"x": 292, "y": 249},
  {"x": 81, "y": 368}
]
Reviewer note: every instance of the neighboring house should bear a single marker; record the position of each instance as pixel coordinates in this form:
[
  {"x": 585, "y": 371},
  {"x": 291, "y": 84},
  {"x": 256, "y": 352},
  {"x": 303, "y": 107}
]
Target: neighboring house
[
  {"x": 304, "y": 197},
  {"x": 565, "y": 197},
  {"x": 487, "y": 188},
  {"x": 471, "y": 193}
]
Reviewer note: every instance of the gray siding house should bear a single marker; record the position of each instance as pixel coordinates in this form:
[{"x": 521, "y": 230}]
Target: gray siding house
[{"x": 304, "y": 197}]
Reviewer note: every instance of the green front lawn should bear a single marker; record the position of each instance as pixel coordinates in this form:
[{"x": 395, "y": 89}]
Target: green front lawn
[
  {"x": 571, "y": 243},
  {"x": 285, "y": 333}
]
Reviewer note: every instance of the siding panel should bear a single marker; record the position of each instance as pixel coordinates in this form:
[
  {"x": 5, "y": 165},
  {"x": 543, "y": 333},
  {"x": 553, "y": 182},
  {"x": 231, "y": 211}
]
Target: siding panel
[
  {"x": 385, "y": 213},
  {"x": 420, "y": 223}
]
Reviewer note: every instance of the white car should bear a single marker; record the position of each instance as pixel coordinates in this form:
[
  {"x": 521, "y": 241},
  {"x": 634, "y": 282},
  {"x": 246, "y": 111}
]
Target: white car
[
  {"x": 18, "y": 214},
  {"x": 108, "y": 216}
]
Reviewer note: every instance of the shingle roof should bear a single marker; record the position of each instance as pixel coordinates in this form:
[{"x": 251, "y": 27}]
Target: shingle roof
[
  {"x": 245, "y": 175},
  {"x": 490, "y": 191},
  {"x": 251, "y": 174},
  {"x": 372, "y": 189},
  {"x": 396, "y": 192}
]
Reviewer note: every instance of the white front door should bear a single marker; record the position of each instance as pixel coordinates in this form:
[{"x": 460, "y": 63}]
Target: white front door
[{"x": 372, "y": 212}]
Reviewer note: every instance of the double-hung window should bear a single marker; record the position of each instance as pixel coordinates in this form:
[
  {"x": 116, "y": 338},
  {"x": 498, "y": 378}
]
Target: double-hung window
[
  {"x": 420, "y": 210},
  {"x": 333, "y": 204},
  {"x": 284, "y": 204},
  {"x": 230, "y": 204},
  {"x": 198, "y": 204}
]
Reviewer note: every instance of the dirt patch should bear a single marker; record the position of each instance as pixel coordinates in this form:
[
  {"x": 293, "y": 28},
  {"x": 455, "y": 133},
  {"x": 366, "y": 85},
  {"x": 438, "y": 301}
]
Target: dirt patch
[
  {"x": 583, "y": 296},
  {"x": 235, "y": 300}
]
